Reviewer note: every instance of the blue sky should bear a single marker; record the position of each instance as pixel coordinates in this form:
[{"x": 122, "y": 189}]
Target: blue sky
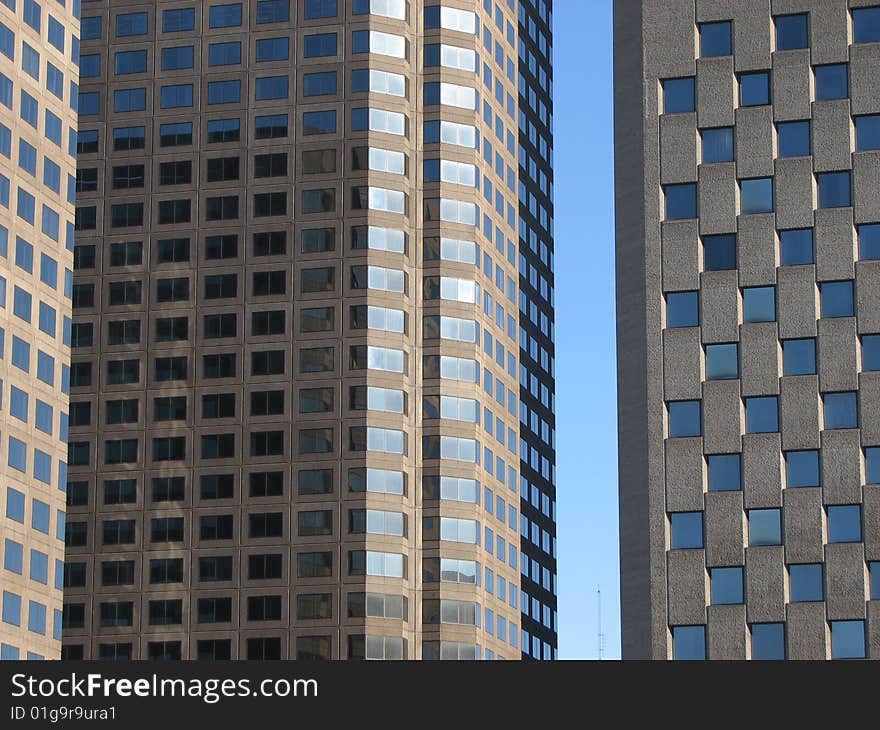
[{"x": 586, "y": 406}]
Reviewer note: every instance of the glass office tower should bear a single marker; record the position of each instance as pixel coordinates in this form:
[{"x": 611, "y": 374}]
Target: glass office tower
[
  {"x": 295, "y": 381},
  {"x": 748, "y": 239},
  {"x": 39, "y": 48}
]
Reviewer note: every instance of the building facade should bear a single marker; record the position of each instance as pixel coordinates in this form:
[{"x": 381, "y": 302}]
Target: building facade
[
  {"x": 748, "y": 238},
  {"x": 295, "y": 419},
  {"x": 39, "y": 48}
]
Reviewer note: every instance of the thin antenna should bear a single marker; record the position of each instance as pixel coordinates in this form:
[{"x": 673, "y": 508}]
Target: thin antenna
[{"x": 600, "y": 637}]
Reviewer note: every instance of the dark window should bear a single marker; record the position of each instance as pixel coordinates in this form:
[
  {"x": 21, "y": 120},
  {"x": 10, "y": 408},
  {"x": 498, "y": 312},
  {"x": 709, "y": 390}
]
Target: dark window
[
  {"x": 223, "y": 168},
  {"x": 266, "y": 484},
  {"x": 684, "y": 419},
  {"x": 221, "y": 247},
  {"x": 754, "y": 88},
  {"x": 218, "y": 405},
  {"x": 217, "y": 486},
  {"x": 716, "y": 39},
  {"x": 719, "y": 252},
  {"x": 267, "y": 323},
  {"x": 717, "y": 144},
  {"x": 834, "y": 189},
  {"x": 866, "y": 25},
  {"x": 796, "y": 247},
  {"x": 175, "y": 173},
  {"x": 792, "y": 32},
  {"x": 679, "y": 95},
  {"x": 681, "y": 201},
  {"x": 793, "y": 139},
  {"x": 270, "y": 243},
  {"x": 832, "y": 81}
]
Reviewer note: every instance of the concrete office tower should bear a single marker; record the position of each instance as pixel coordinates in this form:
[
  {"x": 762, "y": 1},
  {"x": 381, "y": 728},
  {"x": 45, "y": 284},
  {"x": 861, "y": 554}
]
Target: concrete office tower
[
  {"x": 38, "y": 86},
  {"x": 748, "y": 239},
  {"x": 296, "y": 404}
]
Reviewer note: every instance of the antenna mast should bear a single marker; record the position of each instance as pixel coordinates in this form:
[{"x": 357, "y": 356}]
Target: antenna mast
[{"x": 600, "y": 637}]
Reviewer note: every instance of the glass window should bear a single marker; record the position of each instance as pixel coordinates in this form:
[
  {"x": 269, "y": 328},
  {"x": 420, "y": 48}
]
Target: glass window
[
  {"x": 759, "y": 304},
  {"x": 719, "y": 252},
  {"x": 874, "y": 577},
  {"x": 686, "y": 530},
  {"x": 792, "y": 32},
  {"x": 866, "y": 25},
  {"x": 178, "y": 19},
  {"x": 319, "y": 9},
  {"x": 688, "y": 642},
  {"x": 768, "y": 641},
  {"x": 717, "y": 144},
  {"x": 834, "y": 189},
  {"x": 870, "y": 352},
  {"x": 681, "y": 201},
  {"x": 716, "y": 39},
  {"x": 726, "y": 585},
  {"x": 796, "y": 247},
  {"x": 224, "y": 16},
  {"x": 832, "y": 81},
  {"x": 684, "y": 419},
  {"x": 837, "y": 298},
  {"x": 176, "y": 58},
  {"x": 679, "y": 95},
  {"x": 682, "y": 309},
  {"x": 799, "y": 357},
  {"x": 868, "y": 132},
  {"x": 847, "y": 639},
  {"x": 841, "y": 410},
  {"x": 272, "y": 49},
  {"x": 869, "y": 241},
  {"x": 765, "y": 527},
  {"x": 845, "y": 523},
  {"x": 319, "y": 44},
  {"x": 756, "y": 195},
  {"x": 762, "y": 414},
  {"x": 806, "y": 583},
  {"x": 722, "y": 362},
  {"x": 802, "y": 469},
  {"x": 128, "y": 24},
  {"x": 754, "y": 89},
  {"x": 872, "y": 465},
  {"x": 724, "y": 472},
  {"x": 793, "y": 139}
]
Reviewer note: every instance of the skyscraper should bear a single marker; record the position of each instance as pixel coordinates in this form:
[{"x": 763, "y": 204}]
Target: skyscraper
[
  {"x": 38, "y": 92},
  {"x": 296, "y": 366},
  {"x": 748, "y": 233}
]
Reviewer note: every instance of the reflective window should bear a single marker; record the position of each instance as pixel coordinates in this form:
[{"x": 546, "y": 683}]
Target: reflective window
[
  {"x": 762, "y": 414},
  {"x": 681, "y": 201},
  {"x": 716, "y": 39},
  {"x": 866, "y": 25},
  {"x": 754, "y": 89},
  {"x": 679, "y": 95},
  {"x": 724, "y": 472},
  {"x": 686, "y": 530},
  {"x": 870, "y": 352},
  {"x": 796, "y": 247},
  {"x": 841, "y": 410},
  {"x": 868, "y": 132},
  {"x": 759, "y": 304},
  {"x": 791, "y": 32},
  {"x": 832, "y": 81},
  {"x": 717, "y": 144},
  {"x": 768, "y": 641},
  {"x": 837, "y": 298},
  {"x": 688, "y": 642},
  {"x": 765, "y": 527},
  {"x": 793, "y": 139},
  {"x": 684, "y": 419},
  {"x": 719, "y": 252},
  {"x": 845, "y": 523},
  {"x": 799, "y": 357},
  {"x": 834, "y": 189},
  {"x": 756, "y": 195},
  {"x": 726, "y": 585},
  {"x": 847, "y": 639},
  {"x": 683, "y": 309},
  {"x": 722, "y": 362},
  {"x": 805, "y": 583},
  {"x": 869, "y": 241}
]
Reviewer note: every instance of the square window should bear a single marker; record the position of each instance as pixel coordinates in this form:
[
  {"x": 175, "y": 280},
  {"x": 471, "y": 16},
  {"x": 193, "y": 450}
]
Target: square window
[
  {"x": 684, "y": 419},
  {"x": 726, "y": 586},
  {"x": 686, "y": 530},
  {"x": 725, "y": 472},
  {"x": 834, "y": 190},
  {"x": 799, "y": 357},
  {"x": 845, "y": 523},
  {"x": 754, "y": 89},
  {"x": 681, "y": 201},
  {"x": 870, "y": 352},
  {"x": 866, "y": 25},
  {"x": 847, "y": 639},
  {"x": 841, "y": 410},
  {"x": 716, "y": 39},
  {"x": 791, "y": 32},
  {"x": 717, "y": 144},
  {"x": 805, "y": 583},
  {"x": 832, "y": 81},
  {"x": 872, "y": 464},
  {"x": 868, "y": 132},
  {"x": 762, "y": 414},
  {"x": 679, "y": 95},
  {"x": 837, "y": 299},
  {"x": 722, "y": 362},
  {"x": 719, "y": 252},
  {"x": 802, "y": 469},
  {"x": 682, "y": 309},
  {"x": 688, "y": 642},
  {"x": 874, "y": 577},
  {"x": 759, "y": 304},
  {"x": 756, "y": 195},
  {"x": 768, "y": 641},
  {"x": 765, "y": 527},
  {"x": 796, "y": 247},
  {"x": 869, "y": 241},
  {"x": 793, "y": 139}
]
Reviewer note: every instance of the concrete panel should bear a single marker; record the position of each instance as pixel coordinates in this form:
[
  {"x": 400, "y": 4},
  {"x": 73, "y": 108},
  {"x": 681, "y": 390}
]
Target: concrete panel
[
  {"x": 681, "y": 255},
  {"x": 797, "y": 288},
  {"x": 799, "y": 412},
  {"x": 807, "y": 632},
  {"x": 760, "y": 358},
  {"x": 869, "y": 408},
  {"x": 751, "y": 27},
  {"x": 722, "y": 417},
  {"x": 688, "y": 586},
  {"x": 835, "y": 242},
  {"x": 725, "y": 529},
  {"x": 794, "y": 192},
  {"x": 864, "y": 81},
  {"x": 762, "y": 470},
  {"x": 871, "y": 522},
  {"x": 726, "y": 632},
  {"x": 716, "y": 92},
  {"x": 804, "y": 525},
  {"x": 765, "y": 584},
  {"x": 829, "y": 33},
  {"x": 757, "y": 256},
  {"x": 873, "y": 630},
  {"x": 754, "y": 141},
  {"x": 718, "y": 202},
  {"x": 685, "y": 481},
  {"x": 832, "y": 135},
  {"x": 720, "y": 306},
  {"x": 671, "y": 33},
  {"x": 682, "y": 363},
  {"x": 867, "y": 301},
  {"x": 678, "y": 148},
  {"x": 845, "y": 581},
  {"x": 792, "y": 85},
  {"x": 841, "y": 467},
  {"x": 866, "y": 186},
  {"x": 837, "y": 354}
]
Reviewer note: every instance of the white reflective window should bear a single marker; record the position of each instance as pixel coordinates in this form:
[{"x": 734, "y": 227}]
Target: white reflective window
[
  {"x": 458, "y": 409},
  {"x": 458, "y": 449},
  {"x": 463, "y": 97},
  {"x": 387, "y": 44},
  {"x": 458, "y": 172},
  {"x": 389, "y": 8},
  {"x": 380, "y": 522},
  {"x": 462, "y": 135},
  {"x": 458, "y": 211},
  {"x": 459, "y": 489},
  {"x": 385, "y": 239},
  {"x": 389, "y": 565},
  {"x": 385, "y": 279},
  {"x": 455, "y": 57},
  {"x": 384, "y": 399},
  {"x": 453, "y": 249},
  {"x": 382, "y": 120},
  {"x": 391, "y": 201},
  {"x": 384, "y": 481},
  {"x": 385, "y": 82},
  {"x": 455, "y": 328},
  {"x": 459, "y": 290},
  {"x": 387, "y": 161},
  {"x": 385, "y": 358},
  {"x": 455, "y": 529},
  {"x": 383, "y": 318},
  {"x": 454, "y": 19},
  {"x": 458, "y": 368}
]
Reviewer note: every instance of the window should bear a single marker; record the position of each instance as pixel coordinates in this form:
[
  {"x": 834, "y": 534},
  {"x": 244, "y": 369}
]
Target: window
[
  {"x": 870, "y": 353},
  {"x": 868, "y": 132},
  {"x": 129, "y": 24},
  {"x": 716, "y": 39},
  {"x": 176, "y": 58},
  {"x": 756, "y": 195},
  {"x": 793, "y": 139},
  {"x": 874, "y": 568},
  {"x": 322, "y": 122},
  {"x": 765, "y": 527},
  {"x": 129, "y": 100},
  {"x": 224, "y": 92},
  {"x": 177, "y": 20},
  {"x": 796, "y": 247},
  {"x": 845, "y": 523},
  {"x": 722, "y": 362},
  {"x": 802, "y": 469},
  {"x": 848, "y": 640},
  {"x": 799, "y": 357},
  {"x": 837, "y": 298},
  {"x": 866, "y": 25},
  {"x": 224, "y": 16},
  {"x": 834, "y": 189},
  {"x": 792, "y": 32},
  {"x": 321, "y": 44},
  {"x": 681, "y": 201},
  {"x": 272, "y": 11},
  {"x": 688, "y": 642},
  {"x": 832, "y": 81},
  {"x": 679, "y": 95},
  {"x": 225, "y": 130},
  {"x": 719, "y": 252},
  {"x": 768, "y": 641},
  {"x": 686, "y": 530},
  {"x": 315, "y": 9},
  {"x": 759, "y": 304},
  {"x": 273, "y": 49},
  {"x": 754, "y": 89},
  {"x": 841, "y": 410},
  {"x": 319, "y": 84},
  {"x": 726, "y": 586},
  {"x": 717, "y": 144},
  {"x": 806, "y": 583},
  {"x": 762, "y": 414},
  {"x": 682, "y": 309},
  {"x": 271, "y": 87},
  {"x": 724, "y": 472},
  {"x": 684, "y": 419}
]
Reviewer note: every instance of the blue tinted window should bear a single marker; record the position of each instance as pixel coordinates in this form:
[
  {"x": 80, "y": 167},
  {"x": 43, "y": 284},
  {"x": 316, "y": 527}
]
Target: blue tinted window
[
  {"x": 14, "y": 504},
  {"x": 56, "y": 34},
  {"x": 832, "y": 81},
  {"x": 841, "y": 410},
  {"x": 32, "y": 14},
  {"x": 768, "y": 641},
  {"x": 866, "y": 25},
  {"x": 18, "y": 403},
  {"x": 39, "y": 567},
  {"x": 178, "y": 19},
  {"x": 5, "y": 91},
  {"x": 26, "y": 204},
  {"x": 272, "y": 11},
  {"x": 682, "y": 309},
  {"x": 322, "y": 44},
  {"x": 716, "y": 39},
  {"x": 806, "y": 583},
  {"x": 686, "y": 530},
  {"x": 759, "y": 304},
  {"x": 179, "y": 95},
  {"x": 226, "y": 54},
  {"x": 869, "y": 241},
  {"x": 874, "y": 568},
  {"x": 53, "y": 127},
  {"x": 47, "y": 319},
  {"x": 11, "y": 608},
  {"x": 796, "y": 246},
  {"x": 681, "y": 201},
  {"x": 837, "y": 298},
  {"x": 7, "y": 42},
  {"x": 43, "y": 416},
  {"x": 765, "y": 527},
  {"x": 130, "y": 100},
  {"x": 799, "y": 357},
  {"x": 361, "y": 82},
  {"x": 688, "y": 642},
  {"x": 718, "y": 144},
  {"x": 762, "y": 414},
  {"x": 868, "y": 132},
  {"x": 36, "y": 617},
  {"x": 225, "y": 130},
  {"x": 27, "y": 157},
  {"x": 724, "y": 472},
  {"x": 175, "y": 58},
  {"x": 719, "y": 252},
  {"x": 29, "y": 109},
  {"x": 40, "y": 516},
  {"x": 834, "y": 190},
  {"x": 224, "y": 16},
  {"x": 679, "y": 95},
  {"x": 45, "y": 367},
  {"x": 89, "y": 102},
  {"x": 273, "y": 49},
  {"x": 754, "y": 89},
  {"x": 54, "y": 80},
  {"x": 130, "y": 62},
  {"x": 870, "y": 352},
  {"x": 791, "y": 32},
  {"x": 793, "y": 139},
  {"x": 271, "y": 87},
  {"x": 21, "y": 354},
  {"x": 360, "y": 41},
  {"x": 30, "y": 61},
  {"x": 131, "y": 24},
  {"x": 722, "y": 362},
  {"x": 756, "y": 195},
  {"x": 845, "y": 523},
  {"x": 90, "y": 65},
  {"x": 323, "y": 122},
  {"x": 847, "y": 639},
  {"x": 319, "y": 9},
  {"x": 726, "y": 585},
  {"x": 684, "y": 419},
  {"x": 90, "y": 28},
  {"x": 13, "y": 556},
  {"x": 224, "y": 92},
  {"x": 24, "y": 255},
  {"x": 319, "y": 84}
]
